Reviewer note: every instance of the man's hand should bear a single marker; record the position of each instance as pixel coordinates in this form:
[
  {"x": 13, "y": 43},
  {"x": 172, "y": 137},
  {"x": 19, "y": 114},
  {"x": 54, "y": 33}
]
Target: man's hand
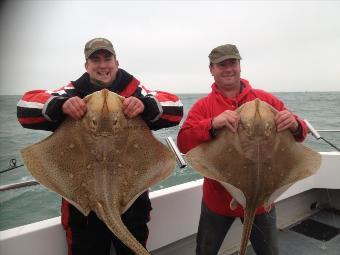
[
  {"x": 229, "y": 119},
  {"x": 132, "y": 107},
  {"x": 74, "y": 107},
  {"x": 285, "y": 120}
]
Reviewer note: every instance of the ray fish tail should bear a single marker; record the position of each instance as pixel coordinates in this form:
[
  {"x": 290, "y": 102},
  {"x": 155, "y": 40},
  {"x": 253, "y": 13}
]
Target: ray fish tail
[
  {"x": 247, "y": 227},
  {"x": 116, "y": 225}
]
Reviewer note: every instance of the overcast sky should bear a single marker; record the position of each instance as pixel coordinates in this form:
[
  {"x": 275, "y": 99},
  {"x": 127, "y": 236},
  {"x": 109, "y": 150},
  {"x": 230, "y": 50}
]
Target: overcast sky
[{"x": 285, "y": 45}]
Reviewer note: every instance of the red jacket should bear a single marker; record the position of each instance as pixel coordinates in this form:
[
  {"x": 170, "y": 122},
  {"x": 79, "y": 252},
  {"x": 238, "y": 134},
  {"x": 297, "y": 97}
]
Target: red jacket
[{"x": 196, "y": 127}]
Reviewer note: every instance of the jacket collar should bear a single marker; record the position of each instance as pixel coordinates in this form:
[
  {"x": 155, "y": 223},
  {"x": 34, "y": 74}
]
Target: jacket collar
[
  {"x": 84, "y": 86},
  {"x": 246, "y": 88}
]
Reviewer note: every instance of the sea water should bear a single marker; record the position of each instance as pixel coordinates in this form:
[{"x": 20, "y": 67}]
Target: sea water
[{"x": 26, "y": 205}]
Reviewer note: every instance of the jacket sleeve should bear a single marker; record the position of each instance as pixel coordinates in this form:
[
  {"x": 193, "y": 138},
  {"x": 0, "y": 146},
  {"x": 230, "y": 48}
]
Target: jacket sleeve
[
  {"x": 195, "y": 129},
  {"x": 42, "y": 109},
  {"x": 302, "y": 131},
  {"x": 162, "y": 109}
]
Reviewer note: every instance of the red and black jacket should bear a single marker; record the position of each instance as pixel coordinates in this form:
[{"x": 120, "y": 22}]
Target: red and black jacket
[{"x": 42, "y": 109}]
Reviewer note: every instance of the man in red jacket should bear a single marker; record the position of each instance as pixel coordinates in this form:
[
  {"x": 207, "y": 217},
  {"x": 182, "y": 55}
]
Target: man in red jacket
[
  {"x": 215, "y": 111},
  {"x": 46, "y": 110}
]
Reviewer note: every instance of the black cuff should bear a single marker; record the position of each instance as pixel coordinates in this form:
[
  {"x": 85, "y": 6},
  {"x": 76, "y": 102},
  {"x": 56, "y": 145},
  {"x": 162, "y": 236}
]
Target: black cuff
[
  {"x": 212, "y": 130},
  {"x": 152, "y": 109},
  {"x": 54, "y": 109},
  {"x": 298, "y": 131}
]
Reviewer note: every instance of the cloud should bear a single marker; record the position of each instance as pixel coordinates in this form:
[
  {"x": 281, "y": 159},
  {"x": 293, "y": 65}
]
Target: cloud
[{"x": 286, "y": 46}]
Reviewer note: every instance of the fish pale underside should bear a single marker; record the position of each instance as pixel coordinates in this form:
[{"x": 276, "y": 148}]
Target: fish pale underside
[
  {"x": 256, "y": 164},
  {"x": 102, "y": 162}
]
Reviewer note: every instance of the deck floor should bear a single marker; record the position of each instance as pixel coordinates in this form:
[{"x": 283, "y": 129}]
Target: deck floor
[{"x": 293, "y": 243}]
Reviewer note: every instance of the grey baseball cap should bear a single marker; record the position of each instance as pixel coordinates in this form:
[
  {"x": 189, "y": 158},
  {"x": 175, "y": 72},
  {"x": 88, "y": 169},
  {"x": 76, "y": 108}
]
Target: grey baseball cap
[
  {"x": 223, "y": 52},
  {"x": 98, "y": 44}
]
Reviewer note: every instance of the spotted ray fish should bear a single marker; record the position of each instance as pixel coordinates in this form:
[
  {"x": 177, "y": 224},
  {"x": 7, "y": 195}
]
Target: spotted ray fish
[
  {"x": 102, "y": 162},
  {"x": 256, "y": 164}
]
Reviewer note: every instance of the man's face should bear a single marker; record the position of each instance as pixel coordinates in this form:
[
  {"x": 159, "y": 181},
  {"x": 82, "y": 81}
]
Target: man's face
[
  {"x": 226, "y": 73},
  {"x": 102, "y": 67}
]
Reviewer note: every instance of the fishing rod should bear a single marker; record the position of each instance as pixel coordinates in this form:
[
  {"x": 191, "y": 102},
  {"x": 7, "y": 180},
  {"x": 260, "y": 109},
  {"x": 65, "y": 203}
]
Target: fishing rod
[
  {"x": 12, "y": 165},
  {"x": 317, "y": 136}
]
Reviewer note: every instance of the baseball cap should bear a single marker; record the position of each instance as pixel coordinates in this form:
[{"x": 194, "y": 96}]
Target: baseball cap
[
  {"x": 98, "y": 44},
  {"x": 223, "y": 52}
]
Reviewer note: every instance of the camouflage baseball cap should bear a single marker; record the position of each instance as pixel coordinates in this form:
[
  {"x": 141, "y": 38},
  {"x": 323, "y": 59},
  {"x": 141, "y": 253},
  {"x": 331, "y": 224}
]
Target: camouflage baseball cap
[
  {"x": 98, "y": 44},
  {"x": 223, "y": 52}
]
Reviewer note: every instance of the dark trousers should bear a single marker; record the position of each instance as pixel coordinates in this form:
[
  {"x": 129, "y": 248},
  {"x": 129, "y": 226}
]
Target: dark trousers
[
  {"x": 213, "y": 228},
  {"x": 88, "y": 235}
]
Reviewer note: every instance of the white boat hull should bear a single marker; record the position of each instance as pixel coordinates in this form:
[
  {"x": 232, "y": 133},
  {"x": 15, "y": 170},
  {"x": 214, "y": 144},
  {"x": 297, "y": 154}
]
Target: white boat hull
[{"x": 175, "y": 215}]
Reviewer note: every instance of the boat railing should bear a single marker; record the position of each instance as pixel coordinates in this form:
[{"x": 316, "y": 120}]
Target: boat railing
[{"x": 171, "y": 144}]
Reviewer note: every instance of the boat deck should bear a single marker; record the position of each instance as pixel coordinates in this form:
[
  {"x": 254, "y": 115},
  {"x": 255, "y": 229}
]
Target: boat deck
[
  {"x": 307, "y": 243},
  {"x": 323, "y": 225}
]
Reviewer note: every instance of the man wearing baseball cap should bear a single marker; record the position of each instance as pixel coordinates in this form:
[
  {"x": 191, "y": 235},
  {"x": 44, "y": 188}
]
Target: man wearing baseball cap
[
  {"x": 205, "y": 118},
  {"x": 46, "y": 110}
]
